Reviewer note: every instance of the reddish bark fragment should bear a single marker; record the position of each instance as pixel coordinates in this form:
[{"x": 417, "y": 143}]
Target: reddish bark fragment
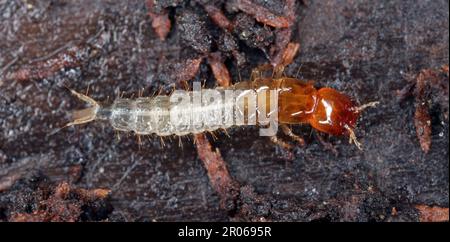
[
  {"x": 283, "y": 37},
  {"x": 221, "y": 181},
  {"x": 160, "y": 21},
  {"x": 219, "y": 69},
  {"x": 92, "y": 195},
  {"x": 61, "y": 205},
  {"x": 289, "y": 53},
  {"x": 285, "y": 57},
  {"x": 161, "y": 24},
  {"x": 289, "y": 9},
  {"x": 262, "y": 14},
  {"x": 428, "y": 81},
  {"x": 432, "y": 214},
  {"x": 422, "y": 122},
  {"x": 189, "y": 70},
  {"x": 444, "y": 69},
  {"x": 70, "y": 58},
  {"x": 36, "y": 216},
  {"x": 218, "y": 17},
  {"x": 422, "y": 119}
]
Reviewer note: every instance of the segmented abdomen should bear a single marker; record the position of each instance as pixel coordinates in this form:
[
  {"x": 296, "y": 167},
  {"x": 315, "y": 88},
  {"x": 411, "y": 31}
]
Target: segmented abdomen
[{"x": 161, "y": 116}]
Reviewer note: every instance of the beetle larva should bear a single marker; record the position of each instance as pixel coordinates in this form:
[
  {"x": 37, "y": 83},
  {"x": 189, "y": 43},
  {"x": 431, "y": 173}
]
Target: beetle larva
[{"x": 325, "y": 109}]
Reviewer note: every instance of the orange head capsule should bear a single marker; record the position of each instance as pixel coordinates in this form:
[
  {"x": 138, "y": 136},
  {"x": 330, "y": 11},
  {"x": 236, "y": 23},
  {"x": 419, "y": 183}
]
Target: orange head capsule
[
  {"x": 335, "y": 113},
  {"x": 326, "y": 109}
]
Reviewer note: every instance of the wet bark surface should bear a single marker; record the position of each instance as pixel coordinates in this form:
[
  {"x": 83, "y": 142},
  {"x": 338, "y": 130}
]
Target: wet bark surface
[{"x": 367, "y": 49}]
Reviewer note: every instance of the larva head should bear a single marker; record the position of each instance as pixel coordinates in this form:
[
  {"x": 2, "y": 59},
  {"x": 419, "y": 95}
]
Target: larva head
[
  {"x": 84, "y": 115},
  {"x": 335, "y": 113}
]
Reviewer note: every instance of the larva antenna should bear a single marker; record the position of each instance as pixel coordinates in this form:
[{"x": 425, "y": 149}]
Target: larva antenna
[
  {"x": 352, "y": 135},
  {"x": 365, "y": 106}
]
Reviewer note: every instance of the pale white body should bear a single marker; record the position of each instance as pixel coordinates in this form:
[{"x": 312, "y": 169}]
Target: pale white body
[{"x": 165, "y": 115}]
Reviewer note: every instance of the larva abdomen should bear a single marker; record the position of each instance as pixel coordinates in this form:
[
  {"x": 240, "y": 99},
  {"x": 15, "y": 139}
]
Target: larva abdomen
[{"x": 162, "y": 116}]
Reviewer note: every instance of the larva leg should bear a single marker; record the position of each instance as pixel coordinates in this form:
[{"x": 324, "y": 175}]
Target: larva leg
[
  {"x": 162, "y": 141},
  {"x": 185, "y": 85},
  {"x": 180, "y": 144},
  {"x": 213, "y": 135},
  {"x": 258, "y": 71},
  {"x": 287, "y": 131},
  {"x": 226, "y": 132},
  {"x": 353, "y": 138},
  {"x": 327, "y": 145},
  {"x": 139, "y": 140},
  {"x": 141, "y": 92},
  {"x": 118, "y": 135}
]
